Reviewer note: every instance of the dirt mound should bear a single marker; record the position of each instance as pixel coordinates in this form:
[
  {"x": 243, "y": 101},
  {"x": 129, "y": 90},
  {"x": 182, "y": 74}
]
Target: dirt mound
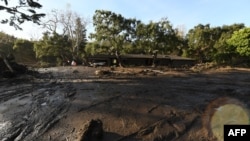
[{"x": 13, "y": 70}]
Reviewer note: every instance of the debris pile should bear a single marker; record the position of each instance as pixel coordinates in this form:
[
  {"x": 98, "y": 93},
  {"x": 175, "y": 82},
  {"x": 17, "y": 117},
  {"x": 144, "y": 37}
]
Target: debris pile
[
  {"x": 9, "y": 68},
  {"x": 203, "y": 67}
]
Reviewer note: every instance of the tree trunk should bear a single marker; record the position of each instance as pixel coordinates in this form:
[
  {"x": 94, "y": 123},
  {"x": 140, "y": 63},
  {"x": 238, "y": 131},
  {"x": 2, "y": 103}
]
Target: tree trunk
[
  {"x": 118, "y": 56},
  {"x": 6, "y": 63},
  {"x": 154, "y": 57}
]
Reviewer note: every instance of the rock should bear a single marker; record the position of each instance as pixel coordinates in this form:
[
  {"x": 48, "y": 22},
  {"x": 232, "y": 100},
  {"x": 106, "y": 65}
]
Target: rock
[
  {"x": 98, "y": 72},
  {"x": 102, "y": 72},
  {"x": 93, "y": 131}
]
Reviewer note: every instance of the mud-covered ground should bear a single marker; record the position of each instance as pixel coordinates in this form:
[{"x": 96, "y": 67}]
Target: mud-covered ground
[{"x": 134, "y": 104}]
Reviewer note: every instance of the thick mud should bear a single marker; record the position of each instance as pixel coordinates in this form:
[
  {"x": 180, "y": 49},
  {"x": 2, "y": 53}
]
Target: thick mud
[{"x": 141, "y": 104}]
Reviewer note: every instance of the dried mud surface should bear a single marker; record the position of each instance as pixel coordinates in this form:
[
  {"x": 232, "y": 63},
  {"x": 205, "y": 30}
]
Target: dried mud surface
[{"x": 134, "y": 104}]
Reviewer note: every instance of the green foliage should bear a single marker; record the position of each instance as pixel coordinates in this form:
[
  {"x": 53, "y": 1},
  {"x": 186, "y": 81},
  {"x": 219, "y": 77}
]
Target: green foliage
[
  {"x": 208, "y": 44},
  {"x": 6, "y": 43},
  {"x": 225, "y": 52},
  {"x": 241, "y": 41},
  {"x": 25, "y": 10},
  {"x": 93, "y": 48},
  {"x": 111, "y": 27},
  {"x": 90, "y": 49},
  {"x": 53, "y": 48},
  {"x": 24, "y": 51},
  {"x": 69, "y": 24},
  {"x": 115, "y": 34},
  {"x": 78, "y": 40},
  {"x": 201, "y": 42},
  {"x": 114, "y": 29},
  {"x": 155, "y": 36},
  {"x": 125, "y": 35}
]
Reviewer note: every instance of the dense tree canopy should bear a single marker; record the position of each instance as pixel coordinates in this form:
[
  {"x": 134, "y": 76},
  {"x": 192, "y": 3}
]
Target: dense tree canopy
[
  {"x": 241, "y": 41},
  {"x": 155, "y": 36},
  {"x": 53, "y": 47},
  {"x": 70, "y": 24},
  {"x": 6, "y": 43},
  {"x": 65, "y": 39},
  {"x": 126, "y": 35},
  {"x": 224, "y": 52},
  {"x": 201, "y": 40},
  {"x": 24, "y": 10},
  {"x": 24, "y": 51},
  {"x": 112, "y": 28},
  {"x": 207, "y": 43}
]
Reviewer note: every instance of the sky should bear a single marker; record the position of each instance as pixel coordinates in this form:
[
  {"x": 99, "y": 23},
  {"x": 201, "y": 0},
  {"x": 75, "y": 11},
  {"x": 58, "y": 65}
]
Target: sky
[{"x": 181, "y": 13}]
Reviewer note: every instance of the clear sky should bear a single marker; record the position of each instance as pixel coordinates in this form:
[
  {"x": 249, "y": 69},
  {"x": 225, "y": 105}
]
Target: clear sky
[{"x": 184, "y": 13}]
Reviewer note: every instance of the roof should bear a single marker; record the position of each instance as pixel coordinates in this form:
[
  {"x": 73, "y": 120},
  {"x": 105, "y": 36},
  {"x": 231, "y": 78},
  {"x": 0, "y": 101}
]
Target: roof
[
  {"x": 141, "y": 56},
  {"x": 174, "y": 57},
  {"x": 136, "y": 56}
]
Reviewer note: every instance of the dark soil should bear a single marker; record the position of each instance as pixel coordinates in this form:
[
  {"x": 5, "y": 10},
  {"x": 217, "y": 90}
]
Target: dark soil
[{"x": 133, "y": 104}]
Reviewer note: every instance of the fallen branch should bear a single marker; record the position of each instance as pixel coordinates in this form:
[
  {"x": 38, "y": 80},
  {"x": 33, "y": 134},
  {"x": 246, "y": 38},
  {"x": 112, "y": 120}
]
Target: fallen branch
[
  {"x": 8, "y": 65},
  {"x": 6, "y": 62}
]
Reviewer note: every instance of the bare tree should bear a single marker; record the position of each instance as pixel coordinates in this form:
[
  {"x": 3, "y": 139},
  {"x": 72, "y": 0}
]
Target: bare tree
[
  {"x": 70, "y": 24},
  {"x": 53, "y": 21},
  {"x": 74, "y": 26}
]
